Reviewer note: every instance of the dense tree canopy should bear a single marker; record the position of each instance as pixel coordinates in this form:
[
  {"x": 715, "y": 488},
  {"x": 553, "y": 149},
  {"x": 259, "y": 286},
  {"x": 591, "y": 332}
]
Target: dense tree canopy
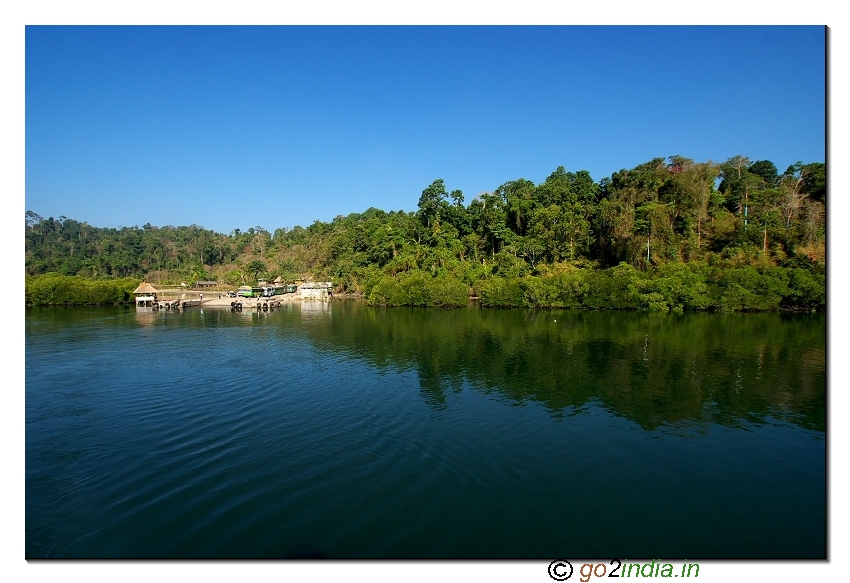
[{"x": 667, "y": 211}]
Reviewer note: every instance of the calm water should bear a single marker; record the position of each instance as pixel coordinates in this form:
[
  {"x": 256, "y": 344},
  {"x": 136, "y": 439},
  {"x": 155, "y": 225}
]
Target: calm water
[{"x": 342, "y": 430}]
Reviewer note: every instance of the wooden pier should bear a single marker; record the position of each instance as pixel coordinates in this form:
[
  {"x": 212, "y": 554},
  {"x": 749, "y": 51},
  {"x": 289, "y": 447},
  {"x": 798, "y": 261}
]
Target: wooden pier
[{"x": 176, "y": 304}]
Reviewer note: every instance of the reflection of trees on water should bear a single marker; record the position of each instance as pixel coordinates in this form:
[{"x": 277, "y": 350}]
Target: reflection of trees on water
[{"x": 650, "y": 368}]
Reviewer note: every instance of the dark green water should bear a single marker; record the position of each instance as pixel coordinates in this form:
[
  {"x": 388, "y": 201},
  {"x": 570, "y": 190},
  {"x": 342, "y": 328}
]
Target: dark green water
[{"x": 347, "y": 431}]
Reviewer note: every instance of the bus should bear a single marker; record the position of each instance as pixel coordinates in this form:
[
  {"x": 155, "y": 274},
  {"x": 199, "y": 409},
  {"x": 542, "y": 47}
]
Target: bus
[{"x": 246, "y": 291}]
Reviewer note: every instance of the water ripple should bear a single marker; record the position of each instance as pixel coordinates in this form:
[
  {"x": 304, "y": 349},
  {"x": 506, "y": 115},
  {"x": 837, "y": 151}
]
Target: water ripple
[{"x": 414, "y": 434}]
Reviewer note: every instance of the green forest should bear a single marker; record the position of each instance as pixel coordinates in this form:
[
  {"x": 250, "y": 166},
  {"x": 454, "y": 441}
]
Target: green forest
[{"x": 669, "y": 234}]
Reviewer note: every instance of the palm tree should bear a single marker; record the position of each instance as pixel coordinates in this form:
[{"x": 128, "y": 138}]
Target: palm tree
[{"x": 255, "y": 268}]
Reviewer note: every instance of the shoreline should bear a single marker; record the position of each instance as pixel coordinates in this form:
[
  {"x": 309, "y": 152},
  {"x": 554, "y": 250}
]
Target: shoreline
[{"x": 225, "y": 301}]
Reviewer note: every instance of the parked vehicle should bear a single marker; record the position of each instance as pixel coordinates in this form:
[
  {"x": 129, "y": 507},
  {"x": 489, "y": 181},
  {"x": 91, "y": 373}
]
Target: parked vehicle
[
  {"x": 231, "y": 294},
  {"x": 270, "y": 291}
]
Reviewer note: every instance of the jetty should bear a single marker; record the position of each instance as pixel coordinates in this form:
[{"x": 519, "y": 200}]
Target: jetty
[
  {"x": 263, "y": 299},
  {"x": 176, "y": 304}
]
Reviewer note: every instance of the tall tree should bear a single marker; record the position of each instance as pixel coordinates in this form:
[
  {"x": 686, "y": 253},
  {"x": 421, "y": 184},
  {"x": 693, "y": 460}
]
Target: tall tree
[
  {"x": 431, "y": 202},
  {"x": 814, "y": 181},
  {"x": 766, "y": 170}
]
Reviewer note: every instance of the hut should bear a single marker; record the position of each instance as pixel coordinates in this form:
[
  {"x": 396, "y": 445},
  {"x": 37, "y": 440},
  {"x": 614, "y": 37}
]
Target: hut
[{"x": 145, "y": 295}]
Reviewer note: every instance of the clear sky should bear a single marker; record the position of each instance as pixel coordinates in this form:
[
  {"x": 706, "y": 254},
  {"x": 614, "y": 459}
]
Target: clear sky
[{"x": 235, "y": 127}]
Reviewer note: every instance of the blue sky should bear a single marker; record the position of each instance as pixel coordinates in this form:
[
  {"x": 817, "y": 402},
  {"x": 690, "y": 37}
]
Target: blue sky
[{"x": 235, "y": 127}]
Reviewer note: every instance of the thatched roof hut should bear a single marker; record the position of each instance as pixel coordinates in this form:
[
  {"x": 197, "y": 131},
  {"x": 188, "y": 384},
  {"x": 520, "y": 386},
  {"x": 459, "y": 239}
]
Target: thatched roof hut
[
  {"x": 146, "y": 289},
  {"x": 145, "y": 295}
]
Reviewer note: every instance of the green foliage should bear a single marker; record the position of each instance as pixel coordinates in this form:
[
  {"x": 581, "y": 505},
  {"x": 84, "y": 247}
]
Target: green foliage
[
  {"x": 806, "y": 289},
  {"x": 562, "y": 289},
  {"x": 664, "y": 235},
  {"x": 613, "y": 289},
  {"x": 418, "y": 288},
  {"x": 678, "y": 287},
  {"x": 447, "y": 291},
  {"x": 432, "y": 202},
  {"x": 56, "y": 289},
  {"x": 503, "y": 292},
  {"x": 542, "y": 292},
  {"x": 766, "y": 170},
  {"x": 745, "y": 288},
  {"x": 814, "y": 180},
  {"x": 256, "y": 268}
]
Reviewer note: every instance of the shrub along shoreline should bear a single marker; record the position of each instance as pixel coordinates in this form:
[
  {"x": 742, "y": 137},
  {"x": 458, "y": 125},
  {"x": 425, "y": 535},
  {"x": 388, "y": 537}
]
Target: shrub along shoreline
[
  {"x": 670, "y": 287},
  {"x": 53, "y": 289},
  {"x": 677, "y": 287}
]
